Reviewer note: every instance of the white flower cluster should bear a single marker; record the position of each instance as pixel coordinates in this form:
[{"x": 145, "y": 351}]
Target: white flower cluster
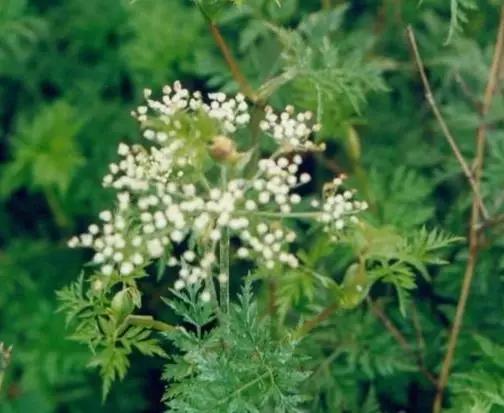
[
  {"x": 162, "y": 207},
  {"x": 275, "y": 182},
  {"x": 339, "y": 206},
  {"x": 230, "y": 113},
  {"x": 116, "y": 250},
  {"x": 289, "y": 130}
]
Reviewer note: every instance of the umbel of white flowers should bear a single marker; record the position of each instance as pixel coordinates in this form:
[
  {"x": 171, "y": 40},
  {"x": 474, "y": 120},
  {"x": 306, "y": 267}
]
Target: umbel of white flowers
[{"x": 166, "y": 201}]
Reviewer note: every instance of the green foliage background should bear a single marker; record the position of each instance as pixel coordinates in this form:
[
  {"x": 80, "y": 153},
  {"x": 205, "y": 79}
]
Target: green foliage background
[{"x": 71, "y": 71}]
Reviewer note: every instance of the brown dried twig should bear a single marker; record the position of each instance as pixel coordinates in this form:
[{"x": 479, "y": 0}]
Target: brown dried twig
[
  {"x": 237, "y": 74},
  {"x": 490, "y": 89},
  {"x": 403, "y": 343},
  {"x": 442, "y": 123}
]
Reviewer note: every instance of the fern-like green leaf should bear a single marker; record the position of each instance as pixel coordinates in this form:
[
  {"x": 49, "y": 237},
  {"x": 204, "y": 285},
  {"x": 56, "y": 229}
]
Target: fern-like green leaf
[{"x": 458, "y": 16}]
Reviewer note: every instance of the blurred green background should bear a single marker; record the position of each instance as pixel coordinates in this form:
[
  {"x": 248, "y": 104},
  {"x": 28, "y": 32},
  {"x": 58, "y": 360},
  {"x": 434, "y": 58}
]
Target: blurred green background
[{"x": 72, "y": 70}]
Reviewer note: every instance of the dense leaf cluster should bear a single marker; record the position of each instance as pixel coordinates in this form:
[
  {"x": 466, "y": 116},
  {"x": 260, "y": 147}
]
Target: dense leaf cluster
[{"x": 241, "y": 366}]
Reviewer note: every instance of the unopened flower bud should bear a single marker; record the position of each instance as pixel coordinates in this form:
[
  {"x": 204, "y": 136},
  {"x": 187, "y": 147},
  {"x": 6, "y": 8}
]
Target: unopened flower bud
[
  {"x": 223, "y": 149},
  {"x": 123, "y": 304}
]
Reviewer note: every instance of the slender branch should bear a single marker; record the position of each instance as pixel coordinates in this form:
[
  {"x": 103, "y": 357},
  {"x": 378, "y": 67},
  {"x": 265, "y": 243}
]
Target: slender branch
[
  {"x": 148, "y": 321},
  {"x": 279, "y": 215},
  {"x": 419, "y": 333},
  {"x": 326, "y": 4},
  {"x": 244, "y": 387},
  {"x": 394, "y": 331},
  {"x": 310, "y": 324},
  {"x": 56, "y": 209},
  {"x": 398, "y": 12},
  {"x": 493, "y": 222},
  {"x": 464, "y": 87},
  {"x": 442, "y": 123},
  {"x": 329, "y": 163},
  {"x": 272, "y": 305},
  {"x": 237, "y": 74},
  {"x": 327, "y": 361},
  {"x": 272, "y": 297},
  {"x": 403, "y": 343},
  {"x": 494, "y": 75},
  {"x": 242, "y": 81},
  {"x": 473, "y": 230}
]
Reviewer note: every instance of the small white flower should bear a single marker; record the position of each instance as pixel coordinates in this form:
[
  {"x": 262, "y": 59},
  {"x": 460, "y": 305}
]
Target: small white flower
[
  {"x": 98, "y": 285},
  {"x": 264, "y": 197},
  {"x": 162, "y": 137},
  {"x": 155, "y": 248},
  {"x": 262, "y": 228},
  {"x": 305, "y": 178},
  {"x": 149, "y": 134},
  {"x": 177, "y": 236},
  {"x": 107, "y": 269},
  {"x": 269, "y": 238},
  {"x": 205, "y": 296},
  {"x": 189, "y": 256},
  {"x": 215, "y": 235},
  {"x": 126, "y": 268},
  {"x": 123, "y": 149},
  {"x": 179, "y": 284},
  {"x": 98, "y": 258},
  {"x": 137, "y": 259},
  {"x": 87, "y": 240},
  {"x": 250, "y": 205},
  {"x": 290, "y": 237},
  {"x": 105, "y": 216}
]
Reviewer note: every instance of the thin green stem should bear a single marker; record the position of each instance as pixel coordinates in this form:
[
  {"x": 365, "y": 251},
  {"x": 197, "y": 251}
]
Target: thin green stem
[
  {"x": 213, "y": 293},
  {"x": 56, "y": 208},
  {"x": 224, "y": 270},
  {"x": 148, "y": 321},
  {"x": 224, "y": 256},
  {"x": 2, "y": 375},
  {"x": 298, "y": 215},
  {"x": 310, "y": 324},
  {"x": 245, "y": 387},
  {"x": 210, "y": 286}
]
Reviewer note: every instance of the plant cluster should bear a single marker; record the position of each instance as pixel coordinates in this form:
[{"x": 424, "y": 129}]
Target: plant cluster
[{"x": 188, "y": 197}]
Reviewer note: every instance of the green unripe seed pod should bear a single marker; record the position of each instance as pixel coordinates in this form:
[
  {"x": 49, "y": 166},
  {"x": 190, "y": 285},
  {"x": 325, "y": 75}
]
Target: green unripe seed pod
[
  {"x": 355, "y": 286},
  {"x": 123, "y": 303},
  {"x": 353, "y": 145}
]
